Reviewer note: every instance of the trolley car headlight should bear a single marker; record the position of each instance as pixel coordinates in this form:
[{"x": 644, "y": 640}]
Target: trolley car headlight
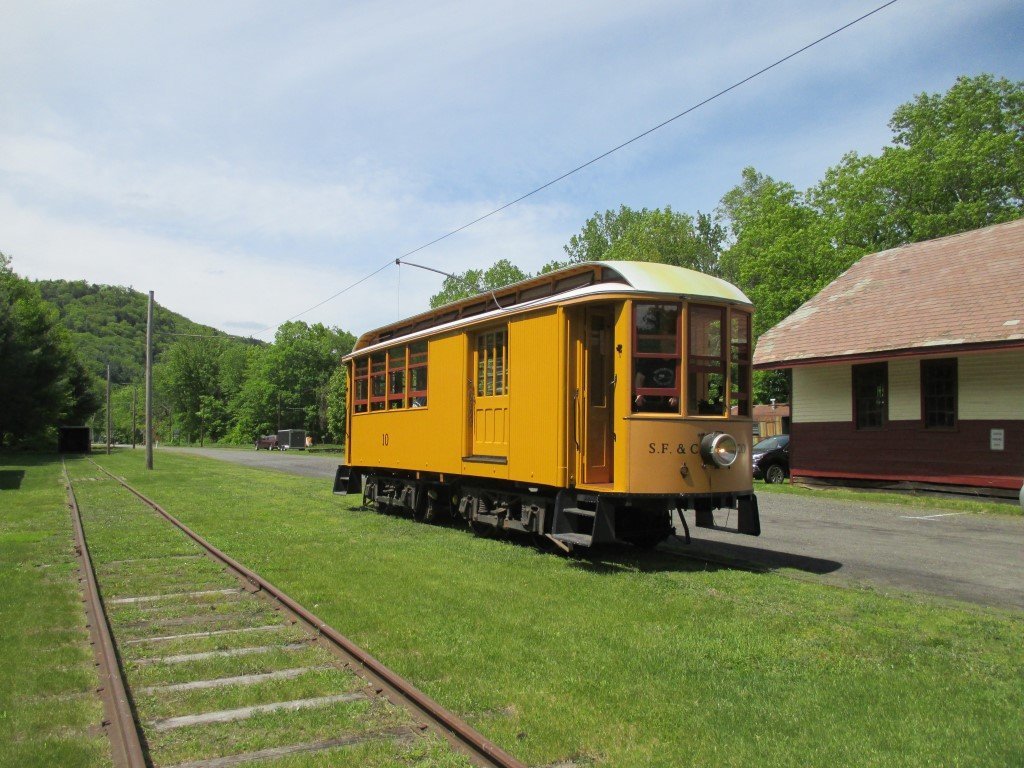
[{"x": 719, "y": 448}]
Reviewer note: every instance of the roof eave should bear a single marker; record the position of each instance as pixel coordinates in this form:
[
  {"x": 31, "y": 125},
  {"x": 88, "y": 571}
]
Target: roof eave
[{"x": 885, "y": 354}]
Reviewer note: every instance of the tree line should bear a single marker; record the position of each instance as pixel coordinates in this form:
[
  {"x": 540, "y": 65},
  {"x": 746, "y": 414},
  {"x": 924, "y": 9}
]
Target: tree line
[
  {"x": 44, "y": 381},
  {"x": 955, "y": 163},
  {"x": 212, "y": 389}
]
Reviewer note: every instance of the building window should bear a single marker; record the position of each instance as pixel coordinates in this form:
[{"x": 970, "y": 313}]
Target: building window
[
  {"x": 705, "y": 390},
  {"x": 739, "y": 375},
  {"x": 361, "y": 388},
  {"x": 656, "y": 358},
  {"x": 870, "y": 395},
  {"x": 938, "y": 393},
  {"x": 491, "y": 364}
]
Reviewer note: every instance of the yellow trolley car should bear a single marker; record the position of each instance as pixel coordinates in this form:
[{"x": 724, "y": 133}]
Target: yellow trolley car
[{"x": 586, "y": 405}]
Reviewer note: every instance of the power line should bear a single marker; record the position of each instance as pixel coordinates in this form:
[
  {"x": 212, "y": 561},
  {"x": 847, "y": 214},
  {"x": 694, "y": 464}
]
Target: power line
[
  {"x": 602, "y": 156},
  {"x": 386, "y": 264}
]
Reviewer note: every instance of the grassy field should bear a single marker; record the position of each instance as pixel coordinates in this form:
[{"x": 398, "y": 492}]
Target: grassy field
[
  {"x": 49, "y": 714},
  {"x": 623, "y": 658},
  {"x": 919, "y": 501},
  {"x": 137, "y": 553}
]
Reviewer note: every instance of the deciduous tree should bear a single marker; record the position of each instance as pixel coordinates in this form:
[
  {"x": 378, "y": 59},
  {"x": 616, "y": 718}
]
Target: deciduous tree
[
  {"x": 473, "y": 281},
  {"x": 658, "y": 235},
  {"x": 956, "y": 163}
]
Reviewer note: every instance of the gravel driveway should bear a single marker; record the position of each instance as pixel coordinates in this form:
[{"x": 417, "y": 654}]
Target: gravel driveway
[
  {"x": 974, "y": 557},
  {"x": 292, "y": 462}
]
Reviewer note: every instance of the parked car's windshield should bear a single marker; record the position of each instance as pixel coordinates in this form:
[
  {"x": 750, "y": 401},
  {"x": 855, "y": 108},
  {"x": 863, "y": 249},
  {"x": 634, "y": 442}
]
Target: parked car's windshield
[{"x": 771, "y": 443}]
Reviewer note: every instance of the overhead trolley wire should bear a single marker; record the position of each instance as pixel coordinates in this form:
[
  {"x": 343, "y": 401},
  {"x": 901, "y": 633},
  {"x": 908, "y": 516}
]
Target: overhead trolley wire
[
  {"x": 599, "y": 157},
  {"x": 346, "y": 289}
]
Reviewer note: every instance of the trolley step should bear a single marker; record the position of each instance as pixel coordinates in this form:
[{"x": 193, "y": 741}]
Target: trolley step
[
  {"x": 579, "y": 512},
  {"x": 572, "y": 539}
]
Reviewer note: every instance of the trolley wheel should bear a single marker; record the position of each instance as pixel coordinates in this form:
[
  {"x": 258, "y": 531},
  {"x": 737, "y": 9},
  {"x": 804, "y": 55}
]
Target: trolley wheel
[
  {"x": 419, "y": 511},
  {"x": 431, "y": 510},
  {"x": 775, "y": 474}
]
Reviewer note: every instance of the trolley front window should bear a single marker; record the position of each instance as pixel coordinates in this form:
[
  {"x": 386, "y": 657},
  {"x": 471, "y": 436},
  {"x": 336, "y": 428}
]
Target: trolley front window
[
  {"x": 739, "y": 357},
  {"x": 656, "y": 358},
  {"x": 706, "y": 362}
]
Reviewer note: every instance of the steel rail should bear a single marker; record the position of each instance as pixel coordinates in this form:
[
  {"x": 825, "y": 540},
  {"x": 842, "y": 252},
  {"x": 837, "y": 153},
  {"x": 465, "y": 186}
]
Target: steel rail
[
  {"x": 120, "y": 724},
  {"x": 472, "y": 741}
]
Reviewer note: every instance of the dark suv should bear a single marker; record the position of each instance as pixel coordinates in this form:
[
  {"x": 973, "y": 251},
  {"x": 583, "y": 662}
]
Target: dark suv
[
  {"x": 267, "y": 441},
  {"x": 770, "y": 459}
]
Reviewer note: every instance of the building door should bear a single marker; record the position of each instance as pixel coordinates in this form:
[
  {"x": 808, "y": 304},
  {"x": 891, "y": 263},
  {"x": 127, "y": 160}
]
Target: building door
[
  {"x": 489, "y": 411},
  {"x": 595, "y": 385}
]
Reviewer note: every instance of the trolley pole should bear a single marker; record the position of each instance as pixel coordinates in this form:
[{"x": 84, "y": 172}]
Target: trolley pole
[
  {"x": 110, "y": 419},
  {"x": 149, "y": 383}
]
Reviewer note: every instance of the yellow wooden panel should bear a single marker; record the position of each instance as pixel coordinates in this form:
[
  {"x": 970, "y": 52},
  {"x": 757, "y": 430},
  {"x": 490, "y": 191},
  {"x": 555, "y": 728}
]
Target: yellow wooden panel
[
  {"x": 659, "y": 446},
  {"x": 420, "y": 439},
  {"x": 622, "y": 395},
  {"x": 537, "y": 395}
]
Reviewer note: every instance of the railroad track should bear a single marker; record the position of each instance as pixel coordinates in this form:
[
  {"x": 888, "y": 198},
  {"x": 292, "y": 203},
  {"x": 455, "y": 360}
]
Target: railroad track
[{"x": 205, "y": 664}]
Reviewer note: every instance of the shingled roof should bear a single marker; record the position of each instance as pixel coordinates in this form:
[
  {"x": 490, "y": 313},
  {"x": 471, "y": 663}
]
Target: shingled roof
[{"x": 953, "y": 293}]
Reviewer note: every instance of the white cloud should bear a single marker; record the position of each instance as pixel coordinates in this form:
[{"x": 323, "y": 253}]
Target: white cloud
[
  {"x": 248, "y": 159},
  {"x": 244, "y": 292},
  {"x": 229, "y": 200}
]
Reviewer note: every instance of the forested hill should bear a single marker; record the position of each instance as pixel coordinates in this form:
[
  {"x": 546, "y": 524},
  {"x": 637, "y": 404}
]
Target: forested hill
[{"x": 108, "y": 324}]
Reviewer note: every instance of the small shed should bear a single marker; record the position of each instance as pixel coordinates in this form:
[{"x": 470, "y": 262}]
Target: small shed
[
  {"x": 908, "y": 369},
  {"x": 74, "y": 439},
  {"x": 770, "y": 419},
  {"x": 294, "y": 439}
]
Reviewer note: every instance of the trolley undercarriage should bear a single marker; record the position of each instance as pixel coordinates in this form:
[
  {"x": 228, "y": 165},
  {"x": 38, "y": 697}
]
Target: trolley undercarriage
[{"x": 568, "y": 517}]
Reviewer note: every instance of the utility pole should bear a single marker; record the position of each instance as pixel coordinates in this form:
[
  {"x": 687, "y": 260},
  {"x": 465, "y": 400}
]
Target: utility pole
[
  {"x": 110, "y": 420},
  {"x": 135, "y": 396},
  {"x": 149, "y": 383}
]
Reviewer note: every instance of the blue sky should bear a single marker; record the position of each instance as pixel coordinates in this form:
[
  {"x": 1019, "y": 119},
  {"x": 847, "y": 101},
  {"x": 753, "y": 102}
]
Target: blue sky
[{"x": 246, "y": 160}]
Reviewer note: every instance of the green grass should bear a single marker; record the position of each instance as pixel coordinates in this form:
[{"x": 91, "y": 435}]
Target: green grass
[
  {"x": 917, "y": 500},
  {"x": 137, "y": 553},
  {"x": 47, "y": 679},
  {"x": 624, "y": 659}
]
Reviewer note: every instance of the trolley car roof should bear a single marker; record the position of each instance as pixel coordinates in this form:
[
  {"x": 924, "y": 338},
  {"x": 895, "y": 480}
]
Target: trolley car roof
[{"x": 591, "y": 278}]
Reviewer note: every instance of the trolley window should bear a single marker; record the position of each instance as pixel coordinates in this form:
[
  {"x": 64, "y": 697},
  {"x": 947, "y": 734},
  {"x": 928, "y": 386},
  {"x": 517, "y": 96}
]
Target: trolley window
[
  {"x": 396, "y": 378},
  {"x": 739, "y": 356},
  {"x": 491, "y": 364},
  {"x": 361, "y": 388},
  {"x": 378, "y": 381},
  {"x": 656, "y": 349},
  {"x": 418, "y": 374},
  {"x": 706, "y": 395}
]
